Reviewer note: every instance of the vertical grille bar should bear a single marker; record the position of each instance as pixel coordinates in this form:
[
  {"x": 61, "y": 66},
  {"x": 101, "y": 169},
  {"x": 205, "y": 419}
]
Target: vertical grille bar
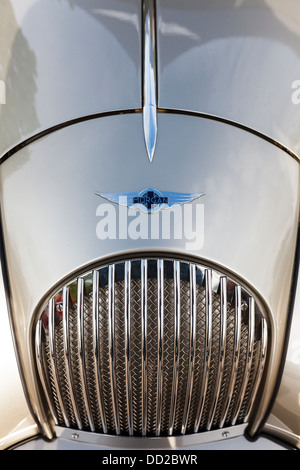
[
  {"x": 127, "y": 308},
  {"x": 41, "y": 370},
  {"x": 251, "y": 330},
  {"x": 176, "y": 267},
  {"x": 82, "y": 366},
  {"x": 223, "y": 331},
  {"x": 160, "y": 348},
  {"x": 236, "y": 352},
  {"x": 112, "y": 359},
  {"x": 53, "y": 360},
  {"x": 67, "y": 355},
  {"x": 208, "y": 343},
  {"x": 144, "y": 286},
  {"x": 261, "y": 362},
  {"x": 96, "y": 348},
  {"x": 190, "y": 381}
]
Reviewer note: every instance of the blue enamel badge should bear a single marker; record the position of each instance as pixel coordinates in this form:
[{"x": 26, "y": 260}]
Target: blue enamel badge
[{"x": 150, "y": 200}]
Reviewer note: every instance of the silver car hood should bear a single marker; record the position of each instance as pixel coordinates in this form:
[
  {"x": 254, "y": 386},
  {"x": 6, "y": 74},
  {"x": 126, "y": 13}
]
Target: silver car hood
[
  {"x": 60, "y": 73},
  {"x": 65, "y": 60},
  {"x": 74, "y": 125},
  {"x": 235, "y": 60}
]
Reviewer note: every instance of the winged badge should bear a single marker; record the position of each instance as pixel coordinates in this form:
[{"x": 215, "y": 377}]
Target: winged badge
[{"x": 150, "y": 200}]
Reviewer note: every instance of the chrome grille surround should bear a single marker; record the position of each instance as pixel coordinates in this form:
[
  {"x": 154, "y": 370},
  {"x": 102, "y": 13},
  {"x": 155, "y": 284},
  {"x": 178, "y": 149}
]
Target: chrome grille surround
[{"x": 151, "y": 347}]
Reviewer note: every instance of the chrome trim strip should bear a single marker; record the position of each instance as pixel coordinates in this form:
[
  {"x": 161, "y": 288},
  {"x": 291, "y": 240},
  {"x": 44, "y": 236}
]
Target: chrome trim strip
[
  {"x": 53, "y": 360},
  {"x": 111, "y": 334},
  {"x": 208, "y": 344},
  {"x": 127, "y": 307},
  {"x": 41, "y": 370},
  {"x": 262, "y": 361},
  {"x": 97, "y": 367},
  {"x": 160, "y": 342},
  {"x": 236, "y": 352},
  {"x": 176, "y": 267},
  {"x": 223, "y": 330},
  {"x": 144, "y": 279},
  {"x": 237, "y": 124},
  {"x": 82, "y": 368},
  {"x": 249, "y": 359},
  {"x": 39, "y": 135},
  {"x": 155, "y": 443},
  {"x": 149, "y": 77},
  {"x": 67, "y": 355},
  {"x": 190, "y": 379}
]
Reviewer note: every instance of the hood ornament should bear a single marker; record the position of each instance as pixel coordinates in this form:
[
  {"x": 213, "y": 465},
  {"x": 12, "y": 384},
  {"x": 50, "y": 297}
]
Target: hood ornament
[
  {"x": 149, "y": 77},
  {"x": 150, "y": 200}
]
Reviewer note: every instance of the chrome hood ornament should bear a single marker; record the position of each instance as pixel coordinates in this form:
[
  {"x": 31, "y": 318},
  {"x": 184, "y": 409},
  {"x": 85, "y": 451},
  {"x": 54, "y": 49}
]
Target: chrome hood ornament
[
  {"x": 150, "y": 200},
  {"x": 149, "y": 77}
]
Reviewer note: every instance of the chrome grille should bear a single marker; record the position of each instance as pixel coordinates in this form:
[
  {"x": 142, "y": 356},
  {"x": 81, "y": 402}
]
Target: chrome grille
[{"x": 151, "y": 347}]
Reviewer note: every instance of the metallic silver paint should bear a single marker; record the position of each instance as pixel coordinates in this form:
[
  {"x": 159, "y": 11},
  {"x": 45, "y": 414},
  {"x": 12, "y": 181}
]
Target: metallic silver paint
[
  {"x": 17, "y": 423},
  {"x": 64, "y": 60},
  {"x": 234, "y": 60},
  {"x": 284, "y": 420}
]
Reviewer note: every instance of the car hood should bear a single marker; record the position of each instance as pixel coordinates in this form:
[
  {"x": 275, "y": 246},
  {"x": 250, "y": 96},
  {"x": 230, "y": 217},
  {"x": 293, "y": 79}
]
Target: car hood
[
  {"x": 66, "y": 60},
  {"x": 234, "y": 60}
]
